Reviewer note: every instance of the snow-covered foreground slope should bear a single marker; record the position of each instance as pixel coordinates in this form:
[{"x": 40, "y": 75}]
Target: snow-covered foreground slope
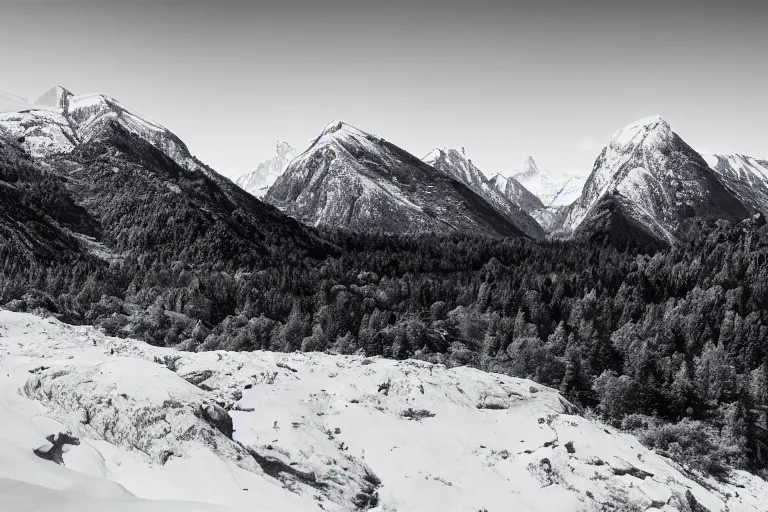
[{"x": 309, "y": 432}]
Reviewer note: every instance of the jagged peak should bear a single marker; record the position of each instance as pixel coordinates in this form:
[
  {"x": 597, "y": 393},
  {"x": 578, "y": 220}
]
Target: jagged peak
[
  {"x": 530, "y": 167},
  {"x": 332, "y": 127},
  {"x": 450, "y": 152},
  {"x": 341, "y": 128},
  {"x": 283, "y": 146}
]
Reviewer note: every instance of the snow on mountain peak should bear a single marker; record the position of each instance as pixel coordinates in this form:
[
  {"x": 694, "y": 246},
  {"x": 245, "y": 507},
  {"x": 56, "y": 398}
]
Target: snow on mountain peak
[
  {"x": 333, "y": 127},
  {"x": 530, "y": 167},
  {"x": 340, "y": 129},
  {"x": 646, "y": 131},
  {"x": 283, "y": 148},
  {"x": 56, "y": 97}
]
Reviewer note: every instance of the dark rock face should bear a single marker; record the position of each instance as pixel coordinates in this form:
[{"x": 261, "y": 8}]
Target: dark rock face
[
  {"x": 55, "y": 449},
  {"x": 351, "y": 179},
  {"x": 610, "y": 224},
  {"x": 219, "y": 418}
]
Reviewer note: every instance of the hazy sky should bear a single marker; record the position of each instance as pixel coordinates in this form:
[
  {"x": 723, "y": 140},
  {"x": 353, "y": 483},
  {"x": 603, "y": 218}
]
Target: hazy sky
[{"x": 553, "y": 79}]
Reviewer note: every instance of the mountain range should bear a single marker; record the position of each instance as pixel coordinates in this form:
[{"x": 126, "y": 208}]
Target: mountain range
[
  {"x": 647, "y": 185},
  {"x": 355, "y": 180},
  {"x": 647, "y": 178}
]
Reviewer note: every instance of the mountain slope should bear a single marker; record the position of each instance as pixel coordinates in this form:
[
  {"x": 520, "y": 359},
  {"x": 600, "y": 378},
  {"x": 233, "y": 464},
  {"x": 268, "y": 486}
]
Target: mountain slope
[
  {"x": 515, "y": 192},
  {"x": 37, "y": 214},
  {"x": 745, "y": 175},
  {"x": 113, "y": 211},
  {"x": 352, "y": 179},
  {"x": 552, "y": 188},
  {"x": 309, "y": 432},
  {"x": 514, "y": 202},
  {"x": 59, "y": 121},
  {"x": 658, "y": 181},
  {"x": 258, "y": 182}
]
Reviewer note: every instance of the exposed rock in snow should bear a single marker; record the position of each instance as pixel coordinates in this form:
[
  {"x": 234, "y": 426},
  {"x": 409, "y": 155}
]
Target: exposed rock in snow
[
  {"x": 513, "y": 200},
  {"x": 352, "y": 179},
  {"x": 258, "y": 182},
  {"x": 311, "y": 431},
  {"x": 657, "y": 182}
]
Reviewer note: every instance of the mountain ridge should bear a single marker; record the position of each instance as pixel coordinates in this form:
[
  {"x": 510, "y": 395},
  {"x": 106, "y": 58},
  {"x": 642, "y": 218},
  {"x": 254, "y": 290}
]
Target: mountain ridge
[
  {"x": 352, "y": 179},
  {"x": 515, "y": 202},
  {"x": 663, "y": 181}
]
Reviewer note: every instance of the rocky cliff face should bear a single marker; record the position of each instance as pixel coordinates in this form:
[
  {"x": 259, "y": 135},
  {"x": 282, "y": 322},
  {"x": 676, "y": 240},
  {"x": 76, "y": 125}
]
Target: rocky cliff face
[{"x": 352, "y": 179}]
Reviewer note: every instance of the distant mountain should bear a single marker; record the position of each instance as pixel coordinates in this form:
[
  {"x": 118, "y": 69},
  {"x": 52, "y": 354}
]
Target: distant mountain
[
  {"x": 514, "y": 202},
  {"x": 552, "y": 188},
  {"x": 515, "y": 192},
  {"x": 258, "y": 182},
  {"x": 649, "y": 178},
  {"x": 745, "y": 175},
  {"x": 352, "y": 179}
]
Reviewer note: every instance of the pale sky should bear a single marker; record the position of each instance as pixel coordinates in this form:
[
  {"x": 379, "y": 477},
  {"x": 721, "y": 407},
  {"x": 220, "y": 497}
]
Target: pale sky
[{"x": 551, "y": 79}]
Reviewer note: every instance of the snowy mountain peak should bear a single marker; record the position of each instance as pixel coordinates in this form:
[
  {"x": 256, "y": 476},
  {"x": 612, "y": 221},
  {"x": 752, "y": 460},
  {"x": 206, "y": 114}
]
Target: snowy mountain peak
[
  {"x": 529, "y": 167},
  {"x": 12, "y": 103},
  {"x": 257, "y": 182},
  {"x": 340, "y": 130},
  {"x": 453, "y": 154},
  {"x": 283, "y": 148},
  {"x": 656, "y": 180},
  {"x": 353, "y": 179},
  {"x": 333, "y": 127},
  {"x": 648, "y": 131},
  {"x": 746, "y": 175},
  {"x": 56, "y": 97}
]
